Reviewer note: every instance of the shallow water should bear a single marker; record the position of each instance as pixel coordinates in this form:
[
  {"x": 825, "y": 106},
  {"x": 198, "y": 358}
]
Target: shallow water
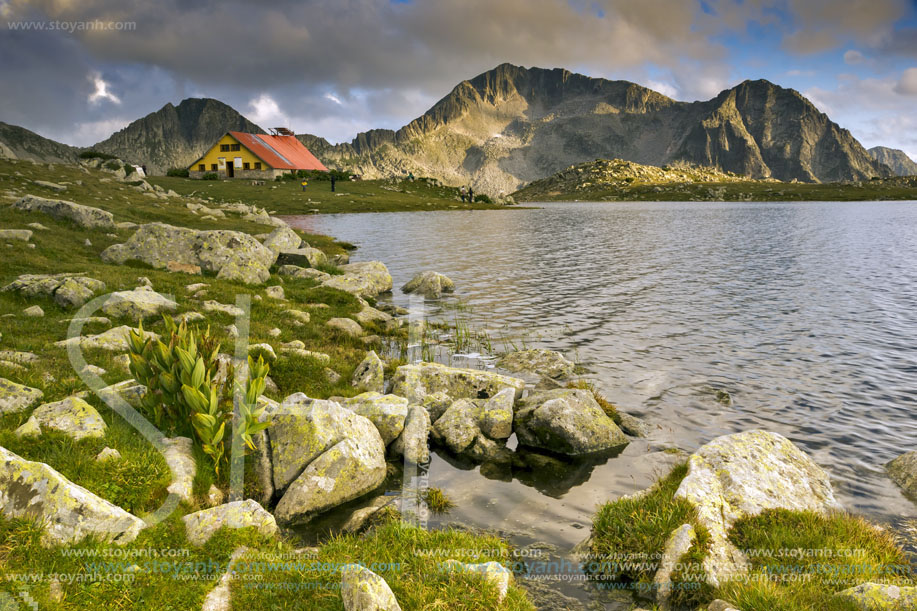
[{"x": 805, "y": 313}]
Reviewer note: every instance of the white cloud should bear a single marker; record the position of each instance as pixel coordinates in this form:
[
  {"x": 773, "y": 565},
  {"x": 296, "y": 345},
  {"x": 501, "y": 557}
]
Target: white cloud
[
  {"x": 907, "y": 85},
  {"x": 91, "y": 132},
  {"x": 333, "y": 98},
  {"x": 852, "y": 57},
  {"x": 265, "y": 111},
  {"x": 663, "y": 88},
  {"x": 101, "y": 91}
]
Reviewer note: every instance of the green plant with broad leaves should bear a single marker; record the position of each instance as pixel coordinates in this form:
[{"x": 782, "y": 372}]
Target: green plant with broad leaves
[{"x": 187, "y": 393}]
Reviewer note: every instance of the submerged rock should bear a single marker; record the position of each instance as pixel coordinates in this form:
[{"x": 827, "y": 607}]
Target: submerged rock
[
  {"x": 903, "y": 471},
  {"x": 740, "y": 475},
  {"x": 83, "y": 216},
  {"x": 16, "y": 398},
  {"x": 547, "y": 363},
  {"x": 71, "y": 416},
  {"x": 429, "y": 284},
  {"x": 363, "y": 590},
  {"x": 232, "y": 255},
  {"x": 566, "y": 421},
  {"x": 201, "y": 525},
  {"x": 418, "y": 380},
  {"x": 68, "y": 290},
  {"x": 369, "y": 376},
  {"x": 70, "y": 512}
]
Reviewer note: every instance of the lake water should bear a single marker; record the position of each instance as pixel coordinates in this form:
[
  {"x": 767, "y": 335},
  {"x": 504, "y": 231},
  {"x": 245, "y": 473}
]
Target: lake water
[{"x": 805, "y": 313}]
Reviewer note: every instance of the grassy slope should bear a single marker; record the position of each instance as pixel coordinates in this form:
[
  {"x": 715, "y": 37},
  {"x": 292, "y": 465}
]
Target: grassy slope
[
  {"x": 287, "y": 197},
  {"x": 138, "y": 482}
]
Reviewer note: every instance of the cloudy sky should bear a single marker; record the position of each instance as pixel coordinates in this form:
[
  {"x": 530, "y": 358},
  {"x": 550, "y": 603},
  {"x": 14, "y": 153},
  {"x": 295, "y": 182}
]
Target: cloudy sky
[{"x": 77, "y": 70}]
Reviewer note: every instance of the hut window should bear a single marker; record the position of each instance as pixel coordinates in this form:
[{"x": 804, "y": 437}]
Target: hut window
[
  {"x": 224, "y": 147},
  {"x": 245, "y": 166},
  {"x": 235, "y": 147},
  {"x": 213, "y": 167},
  {"x": 257, "y": 165}
]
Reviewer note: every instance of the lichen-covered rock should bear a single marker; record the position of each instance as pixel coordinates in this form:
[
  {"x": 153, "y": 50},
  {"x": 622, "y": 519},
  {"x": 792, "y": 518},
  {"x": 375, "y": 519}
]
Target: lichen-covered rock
[
  {"x": 363, "y": 590},
  {"x": 130, "y": 390},
  {"x": 265, "y": 351},
  {"x": 84, "y": 216},
  {"x": 566, "y": 421},
  {"x": 547, "y": 363},
  {"x": 349, "y": 469},
  {"x": 429, "y": 284},
  {"x": 458, "y": 426},
  {"x": 496, "y": 420},
  {"x": 70, "y": 512},
  {"x": 303, "y": 272},
  {"x": 882, "y": 597},
  {"x": 386, "y": 412},
  {"x": 222, "y": 308},
  {"x": 282, "y": 239},
  {"x": 677, "y": 545},
  {"x": 416, "y": 381},
  {"x": 108, "y": 454},
  {"x": 492, "y": 572},
  {"x": 348, "y": 326},
  {"x": 412, "y": 443},
  {"x": 71, "y": 416},
  {"x": 15, "y": 398},
  {"x": 740, "y": 475},
  {"x": 903, "y": 470},
  {"x": 365, "y": 279},
  {"x": 275, "y": 292},
  {"x": 34, "y": 311},
  {"x": 369, "y": 376},
  {"x": 29, "y": 428},
  {"x": 232, "y": 255},
  {"x": 436, "y": 404},
  {"x": 201, "y": 525},
  {"x": 23, "y": 235},
  {"x": 219, "y": 598},
  {"x": 179, "y": 456},
  {"x": 141, "y": 302},
  {"x": 302, "y": 257},
  {"x": 370, "y": 314},
  {"x": 114, "y": 340},
  {"x": 68, "y": 290}
]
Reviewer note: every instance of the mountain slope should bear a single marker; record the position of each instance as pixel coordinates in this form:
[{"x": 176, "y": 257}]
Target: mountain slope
[
  {"x": 896, "y": 159},
  {"x": 19, "y": 143},
  {"x": 512, "y": 125},
  {"x": 174, "y": 136}
]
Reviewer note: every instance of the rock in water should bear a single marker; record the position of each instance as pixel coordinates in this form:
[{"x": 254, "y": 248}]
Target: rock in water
[
  {"x": 882, "y": 597},
  {"x": 15, "y": 398},
  {"x": 201, "y": 525},
  {"x": 429, "y": 284},
  {"x": 71, "y": 416},
  {"x": 363, "y": 590},
  {"x": 412, "y": 443},
  {"x": 142, "y": 302},
  {"x": 70, "y": 512},
  {"x": 84, "y": 216},
  {"x": 547, "y": 363},
  {"x": 369, "y": 376},
  {"x": 903, "y": 470},
  {"x": 418, "y": 380},
  {"x": 232, "y": 255},
  {"x": 567, "y": 421},
  {"x": 740, "y": 475}
]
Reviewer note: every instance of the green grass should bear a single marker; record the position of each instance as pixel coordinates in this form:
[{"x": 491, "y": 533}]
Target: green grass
[
  {"x": 408, "y": 558},
  {"x": 437, "y": 500},
  {"x": 803, "y": 558},
  {"x": 287, "y": 197}
]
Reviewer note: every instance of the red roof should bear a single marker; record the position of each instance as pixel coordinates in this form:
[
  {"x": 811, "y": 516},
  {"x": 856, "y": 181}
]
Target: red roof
[{"x": 279, "y": 152}]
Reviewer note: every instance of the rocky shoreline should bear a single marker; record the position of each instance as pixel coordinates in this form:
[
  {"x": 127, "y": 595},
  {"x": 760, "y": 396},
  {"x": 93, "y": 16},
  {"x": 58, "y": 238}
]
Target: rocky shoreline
[{"x": 326, "y": 449}]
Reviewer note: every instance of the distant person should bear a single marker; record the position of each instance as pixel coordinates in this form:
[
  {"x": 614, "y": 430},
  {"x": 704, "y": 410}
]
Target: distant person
[
  {"x": 411, "y": 176},
  {"x": 470, "y": 195},
  {"x": 332, "y": 182},
  {"x": 464, "y": 193},
  {"x": 304, "y": 183}
]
